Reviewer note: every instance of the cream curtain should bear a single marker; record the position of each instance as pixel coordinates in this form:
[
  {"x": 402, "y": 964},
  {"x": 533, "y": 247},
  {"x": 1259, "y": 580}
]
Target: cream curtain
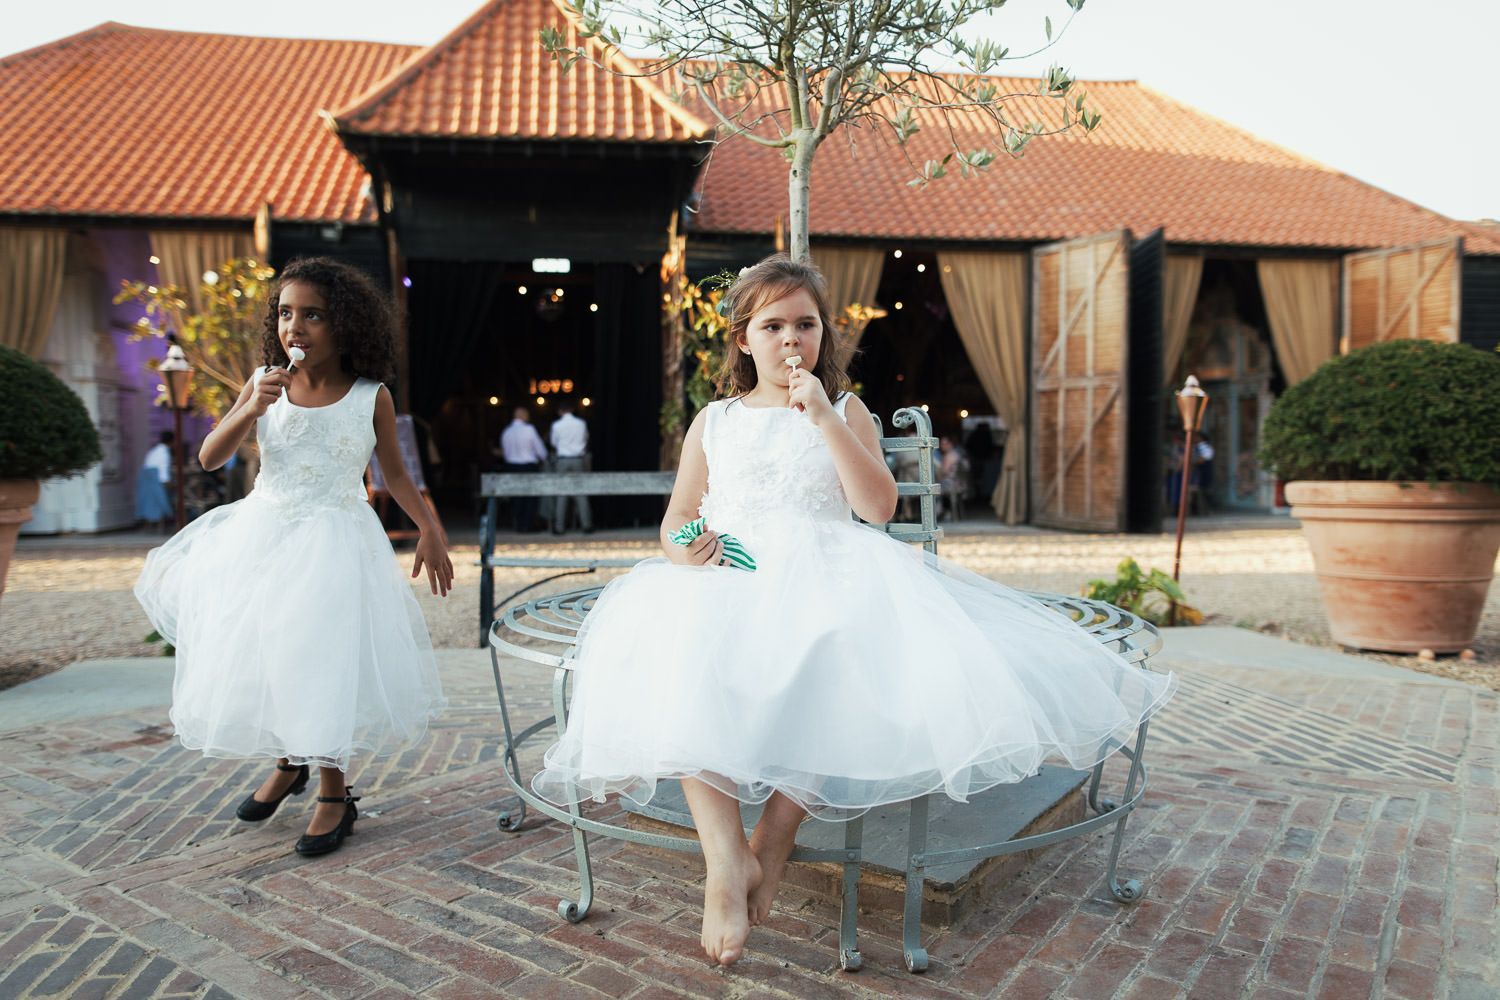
[
  {"x": 987, "y": 294},
  {"x": 853, "y": 275},
  {"x": 183, "y": 256},
  {"x": 31, "y": 280},
  {"x": 1179, "y": 293},
  {"x": 1302, "y": 305}
]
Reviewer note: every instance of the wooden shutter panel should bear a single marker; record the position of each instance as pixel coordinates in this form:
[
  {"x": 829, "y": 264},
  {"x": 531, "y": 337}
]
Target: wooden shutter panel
[
  {"x": 1410, "y": 292},
  {"x": 1079, "y": 350}
]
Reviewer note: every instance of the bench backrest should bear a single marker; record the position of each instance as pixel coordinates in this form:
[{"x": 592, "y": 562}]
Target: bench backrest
[{"x": 924, "y": 530}]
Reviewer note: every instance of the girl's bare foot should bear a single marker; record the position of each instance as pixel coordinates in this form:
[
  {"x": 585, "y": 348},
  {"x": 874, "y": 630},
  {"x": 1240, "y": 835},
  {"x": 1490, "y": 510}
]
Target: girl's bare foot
[
  {"x": 772, "y": 842},
  {"x": 726, "y": 892},
  {"x": 771, "y": 854}
]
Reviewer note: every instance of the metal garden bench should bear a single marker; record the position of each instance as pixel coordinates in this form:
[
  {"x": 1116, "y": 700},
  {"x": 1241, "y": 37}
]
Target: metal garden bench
[{"x": 545, "y": 631}]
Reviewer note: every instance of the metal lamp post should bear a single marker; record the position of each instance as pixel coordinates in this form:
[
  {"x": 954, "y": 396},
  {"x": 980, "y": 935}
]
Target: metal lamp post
[
  {"x": 1191, "y": 402},
  {"x": 178, "y": 375}
]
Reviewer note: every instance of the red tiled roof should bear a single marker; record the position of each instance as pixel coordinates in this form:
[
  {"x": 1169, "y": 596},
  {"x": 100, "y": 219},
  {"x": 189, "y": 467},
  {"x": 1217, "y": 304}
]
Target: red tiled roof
[
  {"x": 143, "y": 123},
  {"x": 490, "y": 79},
  {"x": 1152, "y": 162}
]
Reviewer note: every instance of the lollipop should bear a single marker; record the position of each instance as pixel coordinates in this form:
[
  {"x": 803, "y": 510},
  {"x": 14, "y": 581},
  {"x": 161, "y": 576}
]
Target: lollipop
[
  {"x": 794, "y": 361},
  {"x": 296, "y": 354}
]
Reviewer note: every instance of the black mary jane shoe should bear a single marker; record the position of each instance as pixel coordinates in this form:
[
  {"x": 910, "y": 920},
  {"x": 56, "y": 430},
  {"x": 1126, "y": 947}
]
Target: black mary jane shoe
[
  {"x": 252, "y": 810},
  {"x": 309, "y": 845}
]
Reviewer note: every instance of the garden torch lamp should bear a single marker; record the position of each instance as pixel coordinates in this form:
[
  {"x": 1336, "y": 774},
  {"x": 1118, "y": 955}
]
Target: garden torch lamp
[
  {"x": 178, "y": 375},
  {"x": 1191, "y": 402}
]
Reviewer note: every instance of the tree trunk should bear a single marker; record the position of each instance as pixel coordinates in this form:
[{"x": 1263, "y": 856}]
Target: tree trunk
[{"x": 798, "y": 192}]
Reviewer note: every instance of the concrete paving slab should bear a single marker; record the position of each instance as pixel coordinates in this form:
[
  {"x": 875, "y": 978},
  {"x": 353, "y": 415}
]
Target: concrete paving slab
[
  {"x": 1225, "y": 646},
  {"x": 108, "y": 687}
]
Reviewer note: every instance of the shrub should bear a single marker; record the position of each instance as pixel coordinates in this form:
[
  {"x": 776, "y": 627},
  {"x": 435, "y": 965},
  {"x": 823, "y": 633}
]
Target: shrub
[
  {"x": 45, "y": 430},
  {"x": 1399, "y": 411}
]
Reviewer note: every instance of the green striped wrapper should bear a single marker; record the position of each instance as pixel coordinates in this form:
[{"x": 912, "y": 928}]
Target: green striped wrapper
[{"x": 734, "y": 552}]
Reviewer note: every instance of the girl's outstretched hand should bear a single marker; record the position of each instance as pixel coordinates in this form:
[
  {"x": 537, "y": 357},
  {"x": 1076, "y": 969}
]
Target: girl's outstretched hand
[
  {"x": 432, "y": 553},
  {"x": 805, "y": 393}
]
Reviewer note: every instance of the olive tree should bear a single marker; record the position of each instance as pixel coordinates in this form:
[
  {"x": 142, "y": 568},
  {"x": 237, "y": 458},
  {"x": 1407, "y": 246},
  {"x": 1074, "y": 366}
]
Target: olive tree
[{"x": 789, "y": 73}]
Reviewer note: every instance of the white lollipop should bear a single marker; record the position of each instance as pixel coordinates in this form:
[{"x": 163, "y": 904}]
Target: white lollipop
[
  {"x": 296, "y": 354},
  {"x": 794, "y": 361}
]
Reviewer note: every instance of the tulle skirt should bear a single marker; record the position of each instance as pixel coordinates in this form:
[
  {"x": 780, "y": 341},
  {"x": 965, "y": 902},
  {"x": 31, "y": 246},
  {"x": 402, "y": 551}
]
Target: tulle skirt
[
  {"x": 296, "y": 638},
  {"x": 848, "y": 671}
]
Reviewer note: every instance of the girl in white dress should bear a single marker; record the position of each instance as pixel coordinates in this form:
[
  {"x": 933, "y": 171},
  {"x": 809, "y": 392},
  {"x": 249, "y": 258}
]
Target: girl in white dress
[
  {"x": 297, "y": 636},
  {"x": 847, "y": 670}
]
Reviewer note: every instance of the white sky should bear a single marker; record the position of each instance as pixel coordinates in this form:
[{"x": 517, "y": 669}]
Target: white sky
[{"x": 1399, "y": 94}]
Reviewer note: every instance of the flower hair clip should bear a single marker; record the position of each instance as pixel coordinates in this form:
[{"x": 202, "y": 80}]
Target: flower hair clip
[{"x": 722, "y": 282}]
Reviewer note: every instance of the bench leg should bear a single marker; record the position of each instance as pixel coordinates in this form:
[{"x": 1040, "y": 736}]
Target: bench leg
[
  {"x": 850, "y": 960},
  {"x": 569, "y": 910},
  {"x": 1129, "y": 890},
  {"x": 916, "y": 869}
]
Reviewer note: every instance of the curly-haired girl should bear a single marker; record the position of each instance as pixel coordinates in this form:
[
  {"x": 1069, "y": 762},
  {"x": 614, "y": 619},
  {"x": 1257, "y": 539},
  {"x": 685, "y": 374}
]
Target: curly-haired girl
[{"x": 297, "y": 636}]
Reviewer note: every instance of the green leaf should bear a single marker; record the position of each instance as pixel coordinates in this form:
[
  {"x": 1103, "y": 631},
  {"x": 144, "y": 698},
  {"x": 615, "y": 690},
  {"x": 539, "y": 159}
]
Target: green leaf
[{"x": 1049, "y": 28}]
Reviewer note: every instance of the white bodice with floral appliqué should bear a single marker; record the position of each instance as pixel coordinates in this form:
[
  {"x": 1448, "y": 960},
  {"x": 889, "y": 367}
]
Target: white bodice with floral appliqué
[
  {"x": 314, "y": 458},
  {"x": 768, "y": 463}
]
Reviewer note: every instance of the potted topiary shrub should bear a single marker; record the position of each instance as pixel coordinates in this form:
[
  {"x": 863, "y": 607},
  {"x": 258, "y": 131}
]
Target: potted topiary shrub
[
  {"x": 1394, "y": 465},
  {"x": 45, "y": 431}
]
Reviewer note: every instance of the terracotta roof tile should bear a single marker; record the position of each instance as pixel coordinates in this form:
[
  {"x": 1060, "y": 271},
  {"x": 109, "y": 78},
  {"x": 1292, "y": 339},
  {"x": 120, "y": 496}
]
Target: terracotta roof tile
[
  {"x": 138, "y": 122},
  {"x": 489, "y": 78},
  {"x": 1152, "y": 162}
]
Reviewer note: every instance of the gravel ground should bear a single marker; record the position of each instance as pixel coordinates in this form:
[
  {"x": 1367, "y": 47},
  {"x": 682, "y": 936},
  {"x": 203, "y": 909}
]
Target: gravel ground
[{"x": 68, "y": 598}]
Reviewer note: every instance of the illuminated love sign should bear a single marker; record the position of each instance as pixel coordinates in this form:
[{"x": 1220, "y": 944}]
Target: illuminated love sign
[{"x": 545, "y": 386}]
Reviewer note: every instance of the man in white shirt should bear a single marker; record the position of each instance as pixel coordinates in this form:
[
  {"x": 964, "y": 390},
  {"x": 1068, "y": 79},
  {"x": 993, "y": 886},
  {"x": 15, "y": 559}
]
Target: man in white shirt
[
  {"x": 570, "y": 439},
  {"x": 524, "y": 452}
]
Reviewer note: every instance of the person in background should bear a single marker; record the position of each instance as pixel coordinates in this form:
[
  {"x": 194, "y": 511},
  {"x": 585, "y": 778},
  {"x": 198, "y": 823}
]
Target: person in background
[
  {"x": 151, "y": 501},
  {"x": 523, "y": 451},
  {"x": 570, "y": 439}
]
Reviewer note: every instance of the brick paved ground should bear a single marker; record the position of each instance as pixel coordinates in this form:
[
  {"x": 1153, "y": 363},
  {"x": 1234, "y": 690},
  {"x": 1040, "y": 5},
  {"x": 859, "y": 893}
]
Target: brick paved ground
[{"x": 1326, "y": 835}]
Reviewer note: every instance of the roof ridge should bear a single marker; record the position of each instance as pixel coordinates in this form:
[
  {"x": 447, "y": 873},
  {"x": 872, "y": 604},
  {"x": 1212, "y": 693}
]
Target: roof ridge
[
  {"x": 365, "y": 104},
  {"x": 633, "y": 73}
]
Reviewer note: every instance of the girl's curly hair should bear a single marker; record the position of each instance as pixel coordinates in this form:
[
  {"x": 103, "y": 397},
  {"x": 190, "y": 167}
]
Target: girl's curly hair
[
  {"x": 773, "y": 278},
  {"x": 360, "y": 314}
]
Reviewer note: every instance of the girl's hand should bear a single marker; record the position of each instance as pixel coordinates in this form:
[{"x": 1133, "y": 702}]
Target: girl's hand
[
  {"x": 269, "y": 390},
  {"x": 805, "y": 393},
  {"x": 705, "y": 550},
  {"x": 434, "y": 555}
]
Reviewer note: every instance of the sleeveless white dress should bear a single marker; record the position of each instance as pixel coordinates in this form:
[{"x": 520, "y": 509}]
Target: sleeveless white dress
[
  {"x": 849, "y": 670},
  {"x": 296, "y": 630}
]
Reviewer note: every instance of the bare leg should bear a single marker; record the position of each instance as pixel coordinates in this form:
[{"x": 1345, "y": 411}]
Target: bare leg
[
  {"x": 733, "y": 871},
  {"x": 276, "y": 785},
  {"x": 328, "y": 815},
  {"x": 774, "y": 837}
]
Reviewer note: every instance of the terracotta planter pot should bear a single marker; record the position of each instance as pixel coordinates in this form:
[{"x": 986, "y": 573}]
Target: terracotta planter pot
[
  {"x": 16, "y": 498},
  {"x": 1402, "y": 567}
]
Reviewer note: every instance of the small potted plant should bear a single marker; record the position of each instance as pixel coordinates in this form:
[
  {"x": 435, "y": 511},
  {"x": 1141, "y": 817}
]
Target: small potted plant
[
  {"x": 1393, "y": 461},
  {"x": 45, "y": 431}
]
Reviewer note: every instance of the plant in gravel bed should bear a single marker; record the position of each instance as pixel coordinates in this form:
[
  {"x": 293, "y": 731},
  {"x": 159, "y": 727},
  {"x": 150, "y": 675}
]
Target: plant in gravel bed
[
  {"x": 1394, "y": 459},
  {"x": 1149, "y": 594}
]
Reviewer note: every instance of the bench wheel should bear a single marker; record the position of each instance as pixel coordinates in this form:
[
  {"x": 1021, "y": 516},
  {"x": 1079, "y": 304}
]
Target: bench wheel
[
  {"x": 1128, "y": 891},
  {"x": 851, "y": 961},
  {"x": 507, "y": 823},
  {"x": 916, "y": 960}
]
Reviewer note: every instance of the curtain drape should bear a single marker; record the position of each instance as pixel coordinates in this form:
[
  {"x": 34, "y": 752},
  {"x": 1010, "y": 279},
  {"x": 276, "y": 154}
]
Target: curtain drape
[
  {"x": 1302, "y": 306},
  {"x": 987, "y": 294},
  {"x": 183, "y": 256},
  {"x": 31, "y": 279},
  {"x": 853, "y": 275},
  {"x": 1179, "y": 293}
]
